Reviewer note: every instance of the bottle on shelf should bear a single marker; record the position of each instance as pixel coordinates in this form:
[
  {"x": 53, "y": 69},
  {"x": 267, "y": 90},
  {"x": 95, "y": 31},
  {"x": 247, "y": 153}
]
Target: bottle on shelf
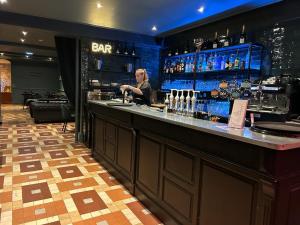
[
  {"x": 217, "y": 62},
  {"x": 216, "y": 41},
  {"x": 227, "y": 63},
  {"x": 204, "y": 63},
  {"x": 227, "y": 39},
  {"x": 193, "y": 64},
  {"x": 182, "y": 65},
  {"x": 210, "y": 62},
  {"x": 186, "y": 68},
  {"x": 231, "y": 62},
  {"x": 237, "y": 61},
  {"x": 199, "y": 64},
  {"x": 223, "y": 62},
  {"x": 243, "y": 36}
]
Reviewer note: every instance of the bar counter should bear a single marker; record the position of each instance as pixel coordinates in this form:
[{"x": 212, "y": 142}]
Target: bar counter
[{"x": 191, "y": 171}]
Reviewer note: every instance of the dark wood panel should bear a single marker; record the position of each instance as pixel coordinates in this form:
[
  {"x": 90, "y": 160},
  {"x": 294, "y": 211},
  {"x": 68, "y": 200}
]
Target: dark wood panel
[
  {"x": 111, "y": 133},
  {"x": 178, "y": 198},
  {"x": 110, "y": 150},
  {"x": 149, "y": 164},
  {"x": 179, "y": 164},
  {"x": 99, "y": 136},
  {"x": 126, "y": 150},
  {"x": 294, "y": 212},
  {"x": 225, "y": 199}
]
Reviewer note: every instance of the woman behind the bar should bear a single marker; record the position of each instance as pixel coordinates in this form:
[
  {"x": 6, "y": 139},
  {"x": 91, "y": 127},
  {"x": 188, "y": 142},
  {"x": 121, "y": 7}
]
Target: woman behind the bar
[{"x": 142, "y": 91}]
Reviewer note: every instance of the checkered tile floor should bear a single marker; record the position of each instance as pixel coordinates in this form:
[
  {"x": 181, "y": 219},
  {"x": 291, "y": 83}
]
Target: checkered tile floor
[{"x": 46, "y": 178}]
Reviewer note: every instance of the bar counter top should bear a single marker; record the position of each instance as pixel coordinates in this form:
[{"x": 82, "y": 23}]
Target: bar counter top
[{"x": 220, "y": 129}]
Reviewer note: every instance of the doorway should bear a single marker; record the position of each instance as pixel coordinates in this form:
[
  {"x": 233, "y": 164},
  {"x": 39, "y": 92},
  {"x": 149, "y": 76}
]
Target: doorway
[{"x": 5, "y": 81}]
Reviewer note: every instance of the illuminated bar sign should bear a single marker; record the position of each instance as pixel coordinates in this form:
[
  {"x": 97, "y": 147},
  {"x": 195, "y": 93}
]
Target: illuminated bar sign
[{"x": 101, "y": 48}]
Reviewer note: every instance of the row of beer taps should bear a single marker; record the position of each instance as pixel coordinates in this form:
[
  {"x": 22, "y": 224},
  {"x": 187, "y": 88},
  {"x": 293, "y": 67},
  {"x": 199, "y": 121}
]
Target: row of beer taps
[{"x": 180, "y": 103}]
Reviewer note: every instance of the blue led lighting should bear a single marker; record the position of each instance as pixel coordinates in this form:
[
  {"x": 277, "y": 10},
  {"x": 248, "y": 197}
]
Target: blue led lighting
[{"x": 211, "y": 8}]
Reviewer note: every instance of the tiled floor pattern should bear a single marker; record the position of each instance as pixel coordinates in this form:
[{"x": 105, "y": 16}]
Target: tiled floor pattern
[{"x": 46, "y": 178}]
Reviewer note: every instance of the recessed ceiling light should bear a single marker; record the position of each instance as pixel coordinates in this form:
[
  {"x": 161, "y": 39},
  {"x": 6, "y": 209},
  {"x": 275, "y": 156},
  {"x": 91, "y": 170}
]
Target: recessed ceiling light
[
  {"x": 154, "y": 28},
  {"x": 3, "y": 1},
  {"x": 24, "y": 33},
  {"x": 22, "y": 40},
  {"x": 29, "y": 53},
  {"x": 201, "y": 9},
  {"x": 40, "y": 40},
  {"x": 99, "y": 5},
  {"x": 50, "y": 59}
]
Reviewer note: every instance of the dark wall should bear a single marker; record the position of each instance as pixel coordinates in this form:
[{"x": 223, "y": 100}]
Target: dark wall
[
  {"x": 38, "y": 77},
  {"x": 276, "y": 26}
]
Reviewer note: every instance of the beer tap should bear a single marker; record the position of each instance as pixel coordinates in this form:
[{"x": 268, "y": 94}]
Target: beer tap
[
  {"x": 167, "y": 102},
  {"x": 181, "y": 101},
  {"x": 176, "y": 100},
  {"x": 171, "y": 99},
  {"x": 194, "y": 99},
  {"x": 188, "y": 102}
]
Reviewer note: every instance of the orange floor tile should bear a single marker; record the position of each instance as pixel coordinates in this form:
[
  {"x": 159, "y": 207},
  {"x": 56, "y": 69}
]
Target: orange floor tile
[{"x": 47, "y": 178}]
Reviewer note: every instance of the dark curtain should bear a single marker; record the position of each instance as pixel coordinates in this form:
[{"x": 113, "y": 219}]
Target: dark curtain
[{"x": 66, "y": 53}]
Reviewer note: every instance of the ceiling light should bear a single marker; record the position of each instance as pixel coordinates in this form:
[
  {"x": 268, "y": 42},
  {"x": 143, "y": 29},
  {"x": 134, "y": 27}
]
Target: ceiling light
[
  {"x": 2, "y": 54},
  {"x": 27, "y": 56},
  {"x": 22, "y": 40},
  {"x": 50, "y": 59},
  {"x": 154, "y": 28},
  {"x": 24, "y": 33},
  {"x": 201, "y": 9},
  {"x": 3, "y": 1},
  {"x": 99, "y": 5},
  {"x": 29, "y": 53},
  {"x": 40, "y": 40}
]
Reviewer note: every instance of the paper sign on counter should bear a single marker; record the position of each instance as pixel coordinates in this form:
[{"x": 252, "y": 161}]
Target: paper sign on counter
[{"x": 238, "y": 114}]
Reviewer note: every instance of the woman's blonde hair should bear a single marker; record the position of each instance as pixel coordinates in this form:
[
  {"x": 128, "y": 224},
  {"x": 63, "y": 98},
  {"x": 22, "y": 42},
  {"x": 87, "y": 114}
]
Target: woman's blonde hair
[{"x": 144, "y": 72}]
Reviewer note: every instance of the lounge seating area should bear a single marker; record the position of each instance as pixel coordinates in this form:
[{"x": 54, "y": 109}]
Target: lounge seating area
[{"x": 53, "y": 108}]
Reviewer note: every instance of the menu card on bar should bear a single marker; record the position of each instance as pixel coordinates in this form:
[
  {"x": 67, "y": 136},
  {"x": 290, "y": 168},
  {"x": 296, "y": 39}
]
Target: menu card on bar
[{"x": 238, "y": 114}]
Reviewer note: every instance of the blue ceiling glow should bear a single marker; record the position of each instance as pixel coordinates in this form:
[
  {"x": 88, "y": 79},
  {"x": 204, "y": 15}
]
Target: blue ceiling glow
[{"x": 211, "y": 8}]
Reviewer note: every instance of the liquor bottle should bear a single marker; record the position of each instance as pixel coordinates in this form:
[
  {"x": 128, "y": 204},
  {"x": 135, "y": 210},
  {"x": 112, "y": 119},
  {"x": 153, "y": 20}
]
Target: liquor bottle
[
  {"x": 237, "y": 61},
  {"x": 186, "y": 69},
  {"x": 227, "y": 63},
  {"x": 210, "y": 61},
  {"x": 172, "y": 67},
  {"x": 227, "y": 39},
  {"x": 243, "y": 36},
  {"x": 182, "y": 65},
  {"x": 199, "y": 66},
  {"x": 165, "y": 69},
  {"x": 216, "y": 41},
  {"x": 231, "y": 62},
  {"x": 204, "y": 63},
  {"x": 223, "y": 62},
  {"x": 193, "y": 64},
  {"x": 217, "y": 62}
]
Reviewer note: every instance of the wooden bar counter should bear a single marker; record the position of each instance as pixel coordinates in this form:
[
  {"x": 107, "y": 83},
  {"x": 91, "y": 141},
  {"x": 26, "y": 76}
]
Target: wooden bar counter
[{"x": 190, "y": 171}]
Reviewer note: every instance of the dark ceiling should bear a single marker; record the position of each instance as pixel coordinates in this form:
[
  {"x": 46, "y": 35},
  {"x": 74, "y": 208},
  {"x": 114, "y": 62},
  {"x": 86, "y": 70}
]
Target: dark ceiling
[{"x": 131, "y": 15}]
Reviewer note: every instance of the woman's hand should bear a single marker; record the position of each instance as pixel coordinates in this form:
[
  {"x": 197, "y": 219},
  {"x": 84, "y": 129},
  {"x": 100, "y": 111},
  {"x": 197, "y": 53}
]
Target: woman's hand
[{"x": 126, "y": 87}]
